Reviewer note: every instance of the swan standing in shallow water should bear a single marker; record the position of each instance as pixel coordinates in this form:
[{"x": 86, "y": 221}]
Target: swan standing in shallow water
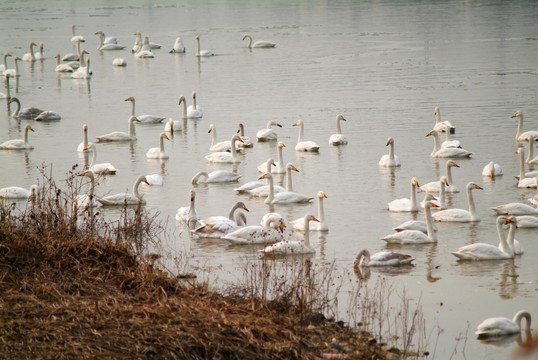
[
  {"x": 178, "y": 48},
  {"x": 225, "y": 157},
  {"x": 218, "y": 176},
  {"x": 102, "y": 168},
  {"x": 461, "y": 215},
  {"x": 18, "y": 144},
  {"x": 383, "y": 258},
  {"x": 449, "y": 152},
  {"x": 188, "y": 214},
  {"x": 338, "y": 138},
  {"x": 316, "y": 226},
  {"x": 120, "y": 135},
  {"x": 302, "y": 145},
  {"x": 500, "y": 326},
  {"x": 125, "y": 198},
  {"x": 268, "y": 134},
  {"x": 435, "y": 186},
  {"x": 258, "y": 44},
  {"x": 277, "y": 167},
  {"x": 283, "y": 197},
  {"x": 17, "y": 192},
  {"x": 271, "y": 231},
  {"x": 30, "y": 57},
  {"x": 145, "y": 119},
  {"x": 492, "y": 169},
  {"x": 26, "y": 113},
  {"x": 202, "y": 53},
  {"x": 520, "y": 135},
  {"x": 194, "y": 111},
  {"x": 84, "y": 201},
  {"x": 415, "y": 236},
  {"x": 217, "y": 226},
  {"x": 287, "y": 247},
  {"x": 159, "y": 152},
  {"x": 406, "y": 205},
  {"x": 390, "y": 160}
]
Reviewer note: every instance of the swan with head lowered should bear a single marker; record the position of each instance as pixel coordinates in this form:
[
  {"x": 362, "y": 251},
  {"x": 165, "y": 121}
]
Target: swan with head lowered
[
  {"x": 283, "y": 197},
  {"x": 390, "y": 160},
  {"x": 224, "y": 156},
  {"x": 278, "y": 167},
  {"x": 338, "y": 138},
  {"x": 383, "y": 258},
  {"x": 17, "y": 192},
  {"x": 144, "y": 119},
  {"x": 218, "y": 226},
  {"x": 304, "y": 145},
  {"x": 501, "y": 326},
  {"x": 124, "y": 199},
  {"x": 101, "y": 168},
  {"x": 217, "y": 176},
  {"x": 289, "y": 247},
  {"x": 406, "y": 205},
  {"x": 415, "y": 236},
  {"x": 120, "y": 135},
  {"x": 202, "y": 53},
  {"x": 461, "y": 215},
  {"x": 179, "y": 47},
  {"x": 492, "y": 170},
  {"x": 188, "y": 214},
  {"x": 194, "y": 111},
  {"x": 159, "y": 152},
  {"x": 298, "y": 224},
  {"x": 271, "y": 231},
  {"x": 435, "y": 187},
  {"x": 268, "y": 134},
  {"x": 26, "y": 113},
  {"x": 258, "y": 44},
  {"x": 19, "y": 144},
  {"x": 448, "y": 152},
  {"x": 520, "y": 135}
]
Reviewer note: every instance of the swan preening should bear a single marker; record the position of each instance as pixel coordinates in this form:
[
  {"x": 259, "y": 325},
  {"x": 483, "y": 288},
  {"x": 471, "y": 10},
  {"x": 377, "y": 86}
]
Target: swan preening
[
  {"x": 144, "y": 50},
  {"x": 315, "y": 226},
  {"x": 338, "y": 138},
  {"x": 218, "y": 176},
  {"x": 202, "y": 53},
  {"x": 19, "y": 144},
  {"x": 492, "y": 169},
  {"x": 405, "y": 205},
  {"x": 500, "y": 326},
  {"x": 390, "y": 160},
  {"x": 447, "y": 152},
  {"x": 302, "y": 145},
  {"x": 415, "y": 236},
  {"x": 188, "y": 214},
  {"x": 520, "y": 135},
  {"x": 461, "y": 215},
  {"x": 124, "y": 199},
  {"x": 224, "y": 156},
  {"x": 435, "y": 186},
  {"x": 288, "y": 247},
  {"x": 268, "y": 134},
  {"x": 217, "y": 226},
  {"x": 101, "y": 168},
  {"x": 271, "y": 231},
  {"x": 178, "y": 47},
  {"x": 17, "y": 192},
  {"x": 258, "y": 44},
  {"x": 159, "y": 152},
  {"x": 383, "y": 258},
  {"x": 119, "y": 62},
  {"x": 145, "y": 119},
  {"x": 120, "y": 135}
]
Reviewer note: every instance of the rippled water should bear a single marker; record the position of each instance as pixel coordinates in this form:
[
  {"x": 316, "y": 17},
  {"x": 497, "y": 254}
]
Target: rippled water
[{"x": 384, "y": 65}]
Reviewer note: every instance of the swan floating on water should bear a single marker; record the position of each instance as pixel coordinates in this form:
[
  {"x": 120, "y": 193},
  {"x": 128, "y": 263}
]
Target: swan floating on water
[
  {"x": 84, "y": 201},
  {"x": 12, "y": 72},
  {"x": 247, "y": 143},
  {"x": 159, "y": 152},
  {"x": 442, "y": 125},
  {"x": 64, "y": 67},
  {"x": 223, "y": 156},
  {"x": 144, "y": 51},
  {"x": 194, "y": 111},
  {"x": 461, "y": 215},
  {"x": 435, "y": 187},
  {"x": 120, "y": 135},
  {"x": 283, "y": 197},
  {"x": 178, "y": 47},
  {"x": 515, "y": 208},
  {"x": 390, "y": 160},
  {"x": 26, "y": 113},
  {"x": 383, "y": 258},
  {"x": 108, "y": 42},
  {"x": 449, "y": 152},
  {"x": 18, "y": 144},
  {"x": 500, "y": 326},
  {"x": 218, "y": 226},
  {"x": 415, "y": 236},
  {"x": 221, "y": 146},
  {"x": 125, "y": 199},
  {"x": 251, "y": 185},
  {"x": 188, "y": 214},
  {"x": 83, "y": 72},
  {"x": 144, "y": 119},
  {"x": 76, "y": 38},
  {"x": 268, "y": 134},
  {"x": 138, "y": 40},
  {"x": 30, "y": 57},
  {"x": 48, "y": 115},
  {"x": 218, "y": 176},
  {"x": 258, "y": 44},
  {"x": 302, "y": 145},
  {"x": 119, "y": 62},
  {"x": 298, "y": 224},
  {"x": 265, "y": 188},
  {"x": 271, "y": 231},
  {"x": 406, "y": 205},
  {"x": 441, "y": 201},
  {"x": 17, "y": 192},
  {"x": 202, "y": 53},
  {"x": 520, "y": 135},
  {"x": 492, "y": 169},
  {"x": 288, "y": 247},
  {"x": 523, "y": 180},
  {"x": 338, "y": 138},
  {"x": 101, "y": 168},
  {"x": 277, "y": 167}
]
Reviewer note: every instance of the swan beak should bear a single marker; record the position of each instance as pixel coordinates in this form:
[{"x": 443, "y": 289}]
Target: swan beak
[
  {"x": 30, "y": 128},
  {"x": 244, "y": 37},
  {"x": 416, "y": 183},
  {"x": 85, "y": 127},
  {"x": 145, "y": 180},
  {"x": 211, "y": 128},
  {"x": 478, "y": 187},
  {"x": 515, "y": 115},
  {"x": 10, "y": 100},
  {"x": 434, "y": 204},
  {"x": 166, "y": 137},
  {"x": 245, "y": 207},
  {"x": 136, "y": 119},
  {"x": 313, "y": 218},
  {"x": 281, "y": 144},
  {"x": 281, "y": 227},
  {"x": 323, "y": 195},
  {"x": 343, "y": 118},
  {"x": 294, "y": 168},
  {"x": 492, "y": 175},
  {"x": 18, "y": 58},
  {"x": 193, "y": 95},
  {"x": 273, "y": 164},
  {"x": 193, "y": 183},
  {"x": 180, "y": 101},
  {"x": 446, "y": 182},
  {"x": 8, "y": 54},
  {"x": 455, "y": 165},
  {"x": 129, "y": 99},
  {"x": 264, "y": 176},
  {"x": 278, "y": 125},
  {"x": 240, "y": 139},
  {"x": 429, "y": 134},
  {"x": 295, "y": 123},
  {"x": 388, "y": 142},
  {"x": 86, "y": 147},
  {"x": 82, "y": 173},
  {"x": 507, "y": 220}
]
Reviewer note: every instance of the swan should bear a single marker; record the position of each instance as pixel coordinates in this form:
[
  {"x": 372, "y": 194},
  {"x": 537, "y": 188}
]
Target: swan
[
  {"x": 144, "y": 119},
  {"x": 406, "y": 205},
  {"x": 500, "y": 326},
  {"x": 247, "y": 143},
  {"x": 178, "y": 48},
  {"x": 159, "y": 152},
  {"x": 258, "y": 44},
  {"x": 101, "y": 168},
  {"x": 510, "y": 237},
  {"x": 13, "y": 72},
  {"x": 173, "y": 125},
  {"x": 492, "y": 169},
  {"x": 278, "y": 167},
  {"x": 251, "y": 185},
  {"x": 442, "y": 125},
  {"x": 39, "y": 55},
  {"x": 263, "y": 189},
  {"x": 188, "y": 214},
  {"x": 103, "y": 45},
  {"x": 26, "y": 113},
  {"x": 435, "y": 186},
  {"x": 288, "y": 247},
  {"x": 309, "y": 146},
  {"x": 218, "y": 176},
  {"x": 48, "y": 115},
  {"x": 184, "y": 107},
  {"x": 338, "y": 138},
  {"x": 144, "y": 52},
  {"x": 84, "y": 201},
  {"x": 515, "y": 208},
  {"x": 268, "y": 134},
  {"x": 17, "y": 192},
  {"x": 202, "y": 53},
  {"x": 390, "y": 160},
  {"x": 523, "y": 180},
  {"x": 415, "y": 236},
  {"x": 531, "y": 159},
  {"x": 223, "y": 156},
  {"x": 283, "y": 197},
  {"x": 124, "y": 199},
  {"x": 217, "y": 226},
  {"x": 442, "y": 194},
  {"x": 83, "y": 72},
  {"x": 298, "y": 224},
  {"x": 450, "y": 152},
  {"x": 527, "y": 221},
  {"x": 76, "y": 38},
  {"x": 194, "y": 111},
  {"x": 30, "y": 57},
  {"x": 483, "y": 251},
  {"x": 414, "y": 225},
  {"x": 461, "y": 215},
  {"x": 383, "y": 258},
  {"x": 119, "y": 62},
  {"x": 221, "y": 146},
  {"x": 138, "y": 39},
  {"x": 449, "y": 142},
  {"x": 155, "y": 179},
  {"x": 63, "y": 67},
  {"x": 4, "y": 67},
  {"x": 270, "y": 232},
  {"x": 18, "y": 144},
  {"x": 73, "y": 56},
  {"x": 520, "y": 135},
  {"x": 120, "y": 135}
]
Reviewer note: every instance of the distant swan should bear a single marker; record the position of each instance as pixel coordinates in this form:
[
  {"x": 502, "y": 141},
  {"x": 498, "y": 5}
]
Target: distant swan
[
  {"x": 120, "y": 135},
  {"x": 183, "y": 105},
  {"x": 225, "y": 157},
  {"x": 298, "y": 224},
  {"x": 435, "y": 186},
  {"x": 26, "y": 113},
  {"x": 520, "y": 135},
  {"x": 461, "y": 215},
  {"x": 125, "y": 198},
  {"x": 138, "y": 39},
  {"x": 449, "y": 152},
  {"x": 144, "y": 52},
  {"x": 16, "y": 192},
  {"x": 383, "y": 258},
  {"x": 18, "y": 144},
  {"x": 415, "y": 236},
  {"x": 48, "y": 115},
  {"x": 390, "y": 160},
  {"x": 178, "y": 48},
  {"x": 338, "y": 138},
  {"x": 63, "y": 67},
  {"x": 302, "y": 145},
  {"x": 101, "y": 168},
  {"x": 13, "y": 72},
  {"x": 288, "y": 247},
  {"x": 108, "y": 43},
  {"x": 268, "y": 134},
  {"x": 202, "y": 53},
  {"x": 40, "y": 55},
  {"x": 500, "y": 326},
  {"x": 159, "y": 152},
  {"x": 30, "y": 57},
  {"x": 119, "y": 62},
  {"x": 405, "y": 205},
  {"x": 76, "y": 38},
  {"x": 278, "y": 167},
  {"x": 492, "y": 169},
  {"x": 270, "y": 232},
  {"x": 145, "y": 119},
  {"x": 194, "y": 111},
  {"x": 217, "y": 226},
  {"x": 188, "y": 214},
  {"x": 83, "y": 72},
  {"x": 218, "y": 176},
  {"x": 258, "y": 44}
]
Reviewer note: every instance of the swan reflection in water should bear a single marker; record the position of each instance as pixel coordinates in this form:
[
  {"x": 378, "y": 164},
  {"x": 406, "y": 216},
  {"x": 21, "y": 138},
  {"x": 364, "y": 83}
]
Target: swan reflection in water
[{"x": 508, "y": 283}]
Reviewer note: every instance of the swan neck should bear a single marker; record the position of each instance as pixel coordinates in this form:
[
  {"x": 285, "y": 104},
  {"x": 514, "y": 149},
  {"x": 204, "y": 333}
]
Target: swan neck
[
  {"x": 271, "y": 189},
  {"x": 161, "y": 144},
  {"x": 25, "y": 136},
  {"x": 132, "y": 107},
  {"x": 194, "y": 102},
  {"x": 442, "y": 196},
  {"x": 94, "y": 156},
  {"x": 249, "y": 40},
  {"x": 289, "y": 185},
  {"x": 234, "y": 151},
  {"x": 81, "y": 57},
  {"x": 213, "y": 136},
  {"x": 307, "y": 230},
  {"x": 520, "y": 315},
  {"x": 511, "y": 236},
  {"x": 232, "y": 212},
  {"x": 135, "y": 187},
  {"x": 435, "y": 143},
  {"x": 132, "y": 131},
  {"x": 338, "y": 128},
  {"x": 519, "y": 126},
  {"x": 429, "y": 223},
  {"x": 78, "y": 48},
  {"x": 503, "y": 244},
  {"x": 530, "y": 156},
  {"x": 391, "y": 152},
  {"x": 521, "y": 164},
  {"x": 16, "y": 112},
  {"x": 184, "y": 110},
  {"x": 197, "y": 176},
  {"x": 438, "y": 116},
  {"x": 198, "y": 46},
  {"x": 413, "y": 197},
  {"x": 301, "y": 132},
  {"x": 92, "y": 186},
  {"x": 321, "y": 211},
  {"x": 449, "y": 173},
  {"x": 470, "y": 202}
]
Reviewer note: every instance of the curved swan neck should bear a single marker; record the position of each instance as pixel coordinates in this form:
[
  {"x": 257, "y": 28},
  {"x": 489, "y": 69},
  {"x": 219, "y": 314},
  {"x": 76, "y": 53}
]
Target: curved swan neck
[
  {"x": 503, "y": 244},
  {"x": 510, "y": 237},
  {"x": 25, "y": 136},
  {"x": 249, "y": 40},
  {"x": 135, "y": 186},
  {"x": 520, "y": 315},
  {"x": 234, "y": 151},
  {"x": 18, "y": 109},
  {"x": 232, "y": 211},
  {"x": 197, "y": 176}
]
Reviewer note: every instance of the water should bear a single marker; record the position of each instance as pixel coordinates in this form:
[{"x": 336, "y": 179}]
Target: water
[{"x": 384, "y": 65}]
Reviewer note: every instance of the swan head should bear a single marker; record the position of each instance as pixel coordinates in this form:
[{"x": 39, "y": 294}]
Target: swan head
[
  {"x": 241, "y": 205},
  {"x": 164, "y": 136},
  {"x": 192, "y": 195},
  {"x": 237, "y": 138},
  {"x": 430, "y": 204},
  {"x": 89, "y": 146},
  {"x": 473, "y": 186},
  {"x": 7, "y": 54},
  {"x": 181, "y": 99},
  {"x": 359, "y": 259},
  {"x": 197, "y": 37},
  {"x": 340, "y": 117},
  {"x": 298, "y": 122},
  {"x": 433, "y": 133},
  {"x": 13, "y": 99},
  {"x": 194, "y": 94},
  {"x": 281, "y": 145},
  {"x": 17, "y": 59},
  {"x": 311, "y": 218},
  {"x": 41, "y": 46},
  {"x": 245, "y": 36},
  {"x": 133, "y": 119},
  {"x": 33, "y": 44},
  {"x": 137, "y": 33},
  {"x": 437, "y": 111},
  {"x": 321, "y": 195},
  {"x": 266, "y": 175},
  {"x": 87, "y": 173},
  {"x": 390, "y": 141},
  {"x": 444, "y": 180},
  {"x": 211, "y": 126},
  {"x": 28, "y": 127},
  {"x": 518, "y": 114},
  {"x": 99, "y": 33},
  {"x": 130, "y": 98},
  {"x": 291, "y": 167},
  {"x": 414, "y": 182},
  {"x": 452, "y": 164}
]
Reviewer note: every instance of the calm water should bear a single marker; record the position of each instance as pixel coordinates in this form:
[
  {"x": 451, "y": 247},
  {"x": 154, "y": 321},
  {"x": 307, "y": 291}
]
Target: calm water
[{"x": 384, "y": 65}]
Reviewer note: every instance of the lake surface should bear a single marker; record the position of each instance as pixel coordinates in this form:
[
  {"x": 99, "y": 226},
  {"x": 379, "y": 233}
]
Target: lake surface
[{"x": 384, "y": 65}]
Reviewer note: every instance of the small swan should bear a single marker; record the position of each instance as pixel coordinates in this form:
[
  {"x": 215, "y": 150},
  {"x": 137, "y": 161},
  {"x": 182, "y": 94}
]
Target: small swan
[
  {"x": 48, "y": 115},
  {"x": 124, "y": 199},
  {"x": 247, "y": 143},
  {"x": 523, "y": 180},
  {"x": 435, "y": 187},
  {"x": 307, "y": 146},
  {"x": 221, "y": 146},
  {"x": 218, "y": 226},
  {"x": 271, "y": 231},
  {"x": 338, "y": 138},
  {"x": 449, "y": 152},
  {"x": 461, "y": 215},
  {"x": 442, "y": 125},
  {"x": 84, "y": 201},
  {"x": 202, "y": 53},
  {"x": 383, "y": 258},
  {"x": 144, "y": 52},
  {"x": 76, "y": 38},
  {"x": 119, "y": 62},
  {"x": 298, "y": 224},
  {"x": 18, "y": 144},
  {"x": 520, "y": 135},
  {"x": 106, "y": 43},
  {"x": 406, "y": 205},
  {"x": 145, "y": 119},
  {"x": 178, "y": 48},
  {"x": 16, "y": 192},
  {"x": 30, "y": 57},
  {"x": 268, "y": 134},
  {"x": 390, "y": 160},
  {"x": 288, "y": 247},
  {"x": 218, "y": 176},
  {"x": 120, "y": 135},
  {"x": 415, "y": 236},
  {"x": 258, "y": 44},
  {"x": 13, "y": 72},
  {"x": 26, "y": 113},
  {"x": 159, "y": 152},
  {"x": 251, "y": 185},
  {"x": 188, "y": 214},
  {"x": 225, "y": 157},
  {"x": 194, "y": 111},
  {"x": 500, "y": 326},
  {"x": 278, "y": 167},
  {"x": 283, "y": 197},
  {"x": 101, "y": 168},
  {"x": 492, "y": 169},
  {"x": 83, "y": 72}
]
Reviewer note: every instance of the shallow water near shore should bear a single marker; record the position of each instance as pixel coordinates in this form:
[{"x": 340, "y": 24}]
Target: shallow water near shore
[{"x": 383, "y": 65}]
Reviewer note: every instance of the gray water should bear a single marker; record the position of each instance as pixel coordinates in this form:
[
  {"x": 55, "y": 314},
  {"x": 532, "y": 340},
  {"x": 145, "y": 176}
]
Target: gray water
[{"x": 384, "y": 65}]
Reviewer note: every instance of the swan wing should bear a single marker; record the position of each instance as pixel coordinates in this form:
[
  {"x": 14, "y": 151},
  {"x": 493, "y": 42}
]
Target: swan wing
[
  {"x": 480, "y": 251},
  {"x": 288, "y": 248},
  {"x": 251, "y": 185},
  {"x": 307, "y": 146},
  {"x": 290, "y": 197},
  {"x": 452, "y": 215},
  {"x": 496, "y": 326},
  {"x": 120, "y": 200},
  {"x": 337, "y": 139},
  {"x": 400, "y": 205},
  {"x": 220, "y": 157},
  {"x": 253, "y": 234},
  {"x": 452, "y": 153},
  {"x": 389, "y": 258},
  {"x": 266, "y": 135},
  {"x": 515, "y": 209},
  {"x": 408, "y": 237},
  {"x": 115, "y": 136}
]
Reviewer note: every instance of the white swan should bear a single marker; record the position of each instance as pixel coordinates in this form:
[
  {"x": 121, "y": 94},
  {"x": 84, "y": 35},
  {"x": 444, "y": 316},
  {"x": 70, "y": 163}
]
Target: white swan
[
  {"x": 264, "y": 189},
  {"x": 108, "y": 43},
  {"x": 406, "y": 205},
  {"x": 258, "y": 44},
  {"x": 251, "y": 185},
  {"x": 138, "y": 39},
  {"x": 72, "y": 56},
  {"x": 435, "y": 186},
  {"x": 18, "y": 144},
  {"x": 144, "y": 51},
  {"x": 30, "y": 57},
  {"x": 76, "y": 38},
  {"x": 145, "y": 119},
  {"x": 414, "y": 225},
  {"x": 13, "y": 72},
  {"x": 510, "y": 237},
  {"x": 277, "y": 167},
  {"x": 415, "y": 236},
  {"x": 449, "y": 152},
  {"x": 225, "y": 157},
  {"x": 194, "y": 111},
  {"x": 159, "y": 152},
  {"x": 202, "y": 53},
  {"x": 124, "y": 199},
  {"x": 63, "y": 67},
  {"x": 26, "y": 113},
  {"x": 461, "y": 215},
  {"x": 302, "y": 145},
  {"x": 383, "y": 258},
  {"x": 449, "y": 142},
  {"x": 218, "y": 176},
  {"x": 221, "y": 146},
  {"x": 523, "y": 180},
  {"x": 288, "y": 247},
  {"x": 270, "y": 232},
  {"x": 483, "y": 251},
  {"x": 531, "y": 159},
  {"x": 268, "y": 134},
  {"x": 119, "y": 62},
  {"x": 527, "y": 221},
  {"x": 338, "y": 138},
  {"x": 492, "y": 169},
  {"x": 173, "y": 125},
  {"x": 283, "y": 197},
  {"x": 500, "y": 326},
  {"x": 515, "y": 208},
  {"x": 442, "y": 125},
  {"x": 120, "y": 135},
  {"x": 441, "y": 201},
  {"x": 101, "y": 168},
  {"x": 247, "y": 143},
  {"x": 520, "y": 135},
  {"x": 107, "y": 39},
  {"x": 298, "y": 224},
  {"x": 178, "y": 48},
  {"x": 83, "y": 72},
  {"x": 390, "y": 160},
  {"x": 217, "y": 226},
  {"x": 17, "y": 192},
  {"x": 40, "y": 55},
  {"x": 84, "y": 201},
  {"x": 188, "y": 214},
  {"x": 183, "y": 105},
  {"x": 154, "y": 179}
]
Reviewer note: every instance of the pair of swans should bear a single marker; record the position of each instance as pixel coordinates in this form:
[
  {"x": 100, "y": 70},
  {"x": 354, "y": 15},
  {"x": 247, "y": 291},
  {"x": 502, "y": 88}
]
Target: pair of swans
[
  {"x": 502, "y": 327},
  {"x": 159, "y": 152},
  {"x": 446, "y": 152},
  {"x": 82, "y": 202},
  {"x": 412, "y": 236},
  {"x": 179, "y": 47},
  {"x": 108, "y": 42},
  {"x": 435, "y": 187},
  {"x": 270, "y": 231},
  {"x": 338, "y": 138},
  {"x": 218, "y": 226},
  {"x": 222, "y": 146},
  {"x": 390, "y": 159},
  {"x": 520, "y": 135},
  {"x": 289, "y": 247},
  {"x": 74, "y": 57},
  {"x": 283, "y": 197},
  {"x": 258, "y": 44},
  {"x": 531, "y": 159},
  {"x": 525, "y": 179},
  {"x": 19, "y": 144},
  {"x": 268, "y": 134},
  {"x": 277, "y": 167},
  {"x": 383, "y": 258},
  {"x": 25, "y": 113},
  {"x": 83, "y": 72},
  {"x": 144, "y": 119},
  {"x": 461, "y": 215},
  {"x": 202, "y": 53},
  {"x": 404, "y": 204},
  {"x": 177, "y": 125},
  {"x": 218, "y": 176},
  {"x": 120, "y": 135},
  {"x": 441, "y": 201},
  {"x": 69, "y": 67},
  {"x": 17, "y": 192},
  {"x": 304, "y": 145},
  {"x": 224, "y": 156},
  {"x": 143, "y": 49},
  {"x": 11, "y": 72},
  {"x": 99, "y": 168},
  {"x": 31, "y": 56},
  {"x": 138, "y": 40}
]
